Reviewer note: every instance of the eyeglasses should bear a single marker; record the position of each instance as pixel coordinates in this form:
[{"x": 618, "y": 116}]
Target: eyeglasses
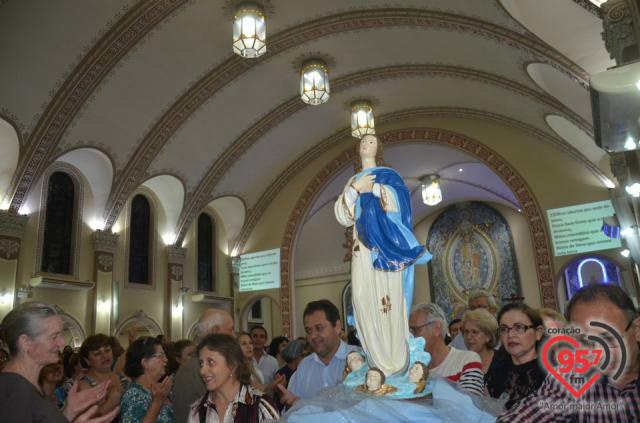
[
  {"x": 471, "y": 332},
  {"x": 159, "y": 355},
  {"x": 518, "y": 328},
  {"x": 415, "y": 329}
]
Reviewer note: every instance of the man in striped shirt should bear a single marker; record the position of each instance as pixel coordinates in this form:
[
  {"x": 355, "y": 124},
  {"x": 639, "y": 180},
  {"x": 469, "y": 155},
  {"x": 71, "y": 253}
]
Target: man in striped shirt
[
  {"x": 461, "y": 367},
  {"x": 608, "y": 400}
]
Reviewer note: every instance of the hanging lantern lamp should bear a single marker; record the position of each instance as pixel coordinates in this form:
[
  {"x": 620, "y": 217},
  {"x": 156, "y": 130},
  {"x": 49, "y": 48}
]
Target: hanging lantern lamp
[
  {"x": 362, "y": 119},
  {"x": 431, "y": 192},
  {"x": 249, "y": 31},
  {"x": 314, "y": 82}
]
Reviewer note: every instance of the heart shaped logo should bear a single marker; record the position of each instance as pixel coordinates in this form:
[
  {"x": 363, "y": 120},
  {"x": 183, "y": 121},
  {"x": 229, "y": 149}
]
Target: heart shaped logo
[{"x": 572, "y": 361}]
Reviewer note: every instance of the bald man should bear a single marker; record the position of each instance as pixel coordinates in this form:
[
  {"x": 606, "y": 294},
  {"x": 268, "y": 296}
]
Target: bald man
[{"x": 188, "y": 386}]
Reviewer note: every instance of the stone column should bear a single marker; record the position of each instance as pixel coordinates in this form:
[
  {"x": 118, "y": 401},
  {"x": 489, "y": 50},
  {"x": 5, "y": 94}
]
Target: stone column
[
  {"x": 12, "y": 229},
  {"x": 104, "y": 246},
  {"x": 175, "y": 273}
]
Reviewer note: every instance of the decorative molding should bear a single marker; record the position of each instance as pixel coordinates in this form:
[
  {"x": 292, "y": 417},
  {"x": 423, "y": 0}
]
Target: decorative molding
[
  {"x": 589, "y": 7},
  {"x": 12, "y": 225},
  {"x": 231, "y": 155},
  {"x": 79, "y": 86},
  {"x": 104, "y": 262},
  {"x": 9, "y": 248},
  {"x": 176, "y": 255},
  {"x": 176, "y": 272},
  {"x": 619, "y": 167},
  {"x": 255, "y": 213},
  {"x": 620, "y": 35},
  {"x": 201, "y": 91},
  {"x": 530, "y": 208},
  {"x": 105, "y": 242}
]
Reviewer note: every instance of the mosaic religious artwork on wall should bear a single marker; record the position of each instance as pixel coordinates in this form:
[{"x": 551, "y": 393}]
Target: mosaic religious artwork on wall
[{"x": 472, "y": 248}]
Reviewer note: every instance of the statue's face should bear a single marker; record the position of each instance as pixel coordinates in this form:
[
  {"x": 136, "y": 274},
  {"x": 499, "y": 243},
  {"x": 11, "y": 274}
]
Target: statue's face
[
  {"x": 415, "y": 373},
  {"x": 355, "y": 361},
  {"x": 368, "y": 147},
  {"x": 374, "y": 380}
]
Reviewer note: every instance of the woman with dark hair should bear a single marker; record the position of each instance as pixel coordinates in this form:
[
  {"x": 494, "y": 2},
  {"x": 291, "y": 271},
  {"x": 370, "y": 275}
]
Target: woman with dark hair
[
  {"x": 146, "y": 399},
  {"x": 278, "y": 344},
  {"x": 520, "y": 328},
  {"x": 96, "y": 356},
  {"x": 33, "y": 332},
  {"x": 229, "y": 397},
  {"x": 51, "y": 377}
]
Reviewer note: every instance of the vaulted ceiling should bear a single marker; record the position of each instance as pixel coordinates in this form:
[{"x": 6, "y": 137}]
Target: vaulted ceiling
[{"x": 155, "y": 87}]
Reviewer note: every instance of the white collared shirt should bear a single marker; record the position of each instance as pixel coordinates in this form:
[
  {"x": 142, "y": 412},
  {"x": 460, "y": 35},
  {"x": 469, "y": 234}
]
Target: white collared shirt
[
  {"x": 313, "y": 375},
  {"x": 268, "y": 367}
]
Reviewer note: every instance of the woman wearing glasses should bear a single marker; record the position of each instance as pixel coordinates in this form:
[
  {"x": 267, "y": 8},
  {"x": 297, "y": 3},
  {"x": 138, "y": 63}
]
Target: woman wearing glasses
[
  {"x": 520, "y": 329},
  {"x": 147, "y": 399},
  {"x": 480, "y": 334}
]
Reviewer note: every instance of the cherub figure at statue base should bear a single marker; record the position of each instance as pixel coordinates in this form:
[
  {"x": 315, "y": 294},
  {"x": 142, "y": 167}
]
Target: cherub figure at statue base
[{"x": 411, "y": 384}]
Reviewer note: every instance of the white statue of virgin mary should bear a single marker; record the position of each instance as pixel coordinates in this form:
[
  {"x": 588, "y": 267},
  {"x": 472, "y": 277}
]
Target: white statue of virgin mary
[{"x": 377, "y": 203}]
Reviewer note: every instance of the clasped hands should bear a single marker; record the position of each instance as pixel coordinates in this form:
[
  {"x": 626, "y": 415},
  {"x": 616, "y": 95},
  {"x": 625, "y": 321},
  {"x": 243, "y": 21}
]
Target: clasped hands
[{"x": 364, "y": 184}]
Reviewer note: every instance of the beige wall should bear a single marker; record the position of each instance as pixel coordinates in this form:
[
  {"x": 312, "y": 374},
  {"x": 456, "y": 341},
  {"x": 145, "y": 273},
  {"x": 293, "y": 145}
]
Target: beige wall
[{"x": 555, "y": 179}]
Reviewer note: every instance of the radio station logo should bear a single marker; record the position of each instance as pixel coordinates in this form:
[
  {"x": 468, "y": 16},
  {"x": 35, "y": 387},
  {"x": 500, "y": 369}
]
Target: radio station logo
[{"x": 577, "y": 361}]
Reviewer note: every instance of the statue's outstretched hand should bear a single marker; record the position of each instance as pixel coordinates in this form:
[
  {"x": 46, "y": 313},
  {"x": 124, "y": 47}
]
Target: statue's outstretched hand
[{"x": 364, "y": 184}]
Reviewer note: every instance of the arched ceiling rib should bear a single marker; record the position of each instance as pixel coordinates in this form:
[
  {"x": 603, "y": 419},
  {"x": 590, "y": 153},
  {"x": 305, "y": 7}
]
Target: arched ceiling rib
[
  {"x": 77, "y": 88},
  {"x": 320, "y": 27},
  {"x": 323, "y": 146},
  {"x": 320, "y": 120},
  {"x": 161, "y": 92}
]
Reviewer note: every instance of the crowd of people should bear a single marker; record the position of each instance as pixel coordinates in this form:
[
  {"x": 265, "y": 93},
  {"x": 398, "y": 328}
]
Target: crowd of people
[{"x": 225, "y": 377}]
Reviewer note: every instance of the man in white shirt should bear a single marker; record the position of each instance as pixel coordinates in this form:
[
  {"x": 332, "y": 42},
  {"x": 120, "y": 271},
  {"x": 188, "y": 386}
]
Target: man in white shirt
[
  {"x": 267, "y": 364},
  {"x": 325, "y": 366},
  {"x": 461, "y": 367}
]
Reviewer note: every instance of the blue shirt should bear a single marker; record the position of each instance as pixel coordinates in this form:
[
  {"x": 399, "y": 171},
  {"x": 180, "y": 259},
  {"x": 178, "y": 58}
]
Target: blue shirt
[{"x": 313, "y": 375}]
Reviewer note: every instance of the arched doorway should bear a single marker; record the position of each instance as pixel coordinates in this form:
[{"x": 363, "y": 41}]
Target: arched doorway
[
  {"x": 507, "y": 173},
  {"x": 138, "y": 324}
]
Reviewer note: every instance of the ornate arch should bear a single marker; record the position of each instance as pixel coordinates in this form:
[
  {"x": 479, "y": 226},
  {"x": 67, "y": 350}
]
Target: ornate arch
[
  {"x": 244, "y": 314},
  {"x": 530, "y": 207},
  {"x": 144, "y": 320},
  {"x": 72, "y": 324}
]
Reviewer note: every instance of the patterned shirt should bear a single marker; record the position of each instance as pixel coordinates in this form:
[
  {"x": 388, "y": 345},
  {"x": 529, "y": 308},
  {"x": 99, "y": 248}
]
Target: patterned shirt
[
  {"x": 463, "y": 368},
  {"x": 136, "y": 401},
  {"x": 602, "y": 403},
  {"x": 249, "y": 406}
]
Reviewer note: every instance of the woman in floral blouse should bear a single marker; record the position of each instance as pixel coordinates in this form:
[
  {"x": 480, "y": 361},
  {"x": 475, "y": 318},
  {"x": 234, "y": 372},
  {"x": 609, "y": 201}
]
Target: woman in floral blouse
[
  {"x": 146, "y": 399},
  {"x": 229, "y": 397}
]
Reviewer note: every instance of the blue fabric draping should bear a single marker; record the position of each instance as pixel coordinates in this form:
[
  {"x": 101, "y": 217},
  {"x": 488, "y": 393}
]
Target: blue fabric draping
[{"x": 389, "y": 234}]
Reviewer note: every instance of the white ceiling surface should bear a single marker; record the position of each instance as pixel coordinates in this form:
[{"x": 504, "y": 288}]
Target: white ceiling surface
[
  {"x": 41, "y": 42},
  {"x": 281, "y": 146},
  {"x": 568, "y": 27},
  {"x": 563, "y": 88},
  {"x": 232, "y": 212},
  {"x": 580, "y": 140},
  {"x": 10, "y": 148},
  {"x": 319, "y": 248},
  {"x": 170, "y": 193},
  {"x": 45, "y": 41},
  {"x": 98, "y": 171},
  {"x": 230, "y": 112}
]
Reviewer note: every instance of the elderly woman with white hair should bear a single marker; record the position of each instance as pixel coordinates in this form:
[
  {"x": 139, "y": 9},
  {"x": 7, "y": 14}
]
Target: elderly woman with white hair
[
  {"x": 480, "y": 334},
  {"x": 33, "y": 332}
]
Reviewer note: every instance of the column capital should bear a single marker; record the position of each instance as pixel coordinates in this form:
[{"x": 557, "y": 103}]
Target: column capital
[
  {"x": 176, "y": 255},
  {"x": 12, "y": 225},
  {"x": 105, "y": 242}
]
